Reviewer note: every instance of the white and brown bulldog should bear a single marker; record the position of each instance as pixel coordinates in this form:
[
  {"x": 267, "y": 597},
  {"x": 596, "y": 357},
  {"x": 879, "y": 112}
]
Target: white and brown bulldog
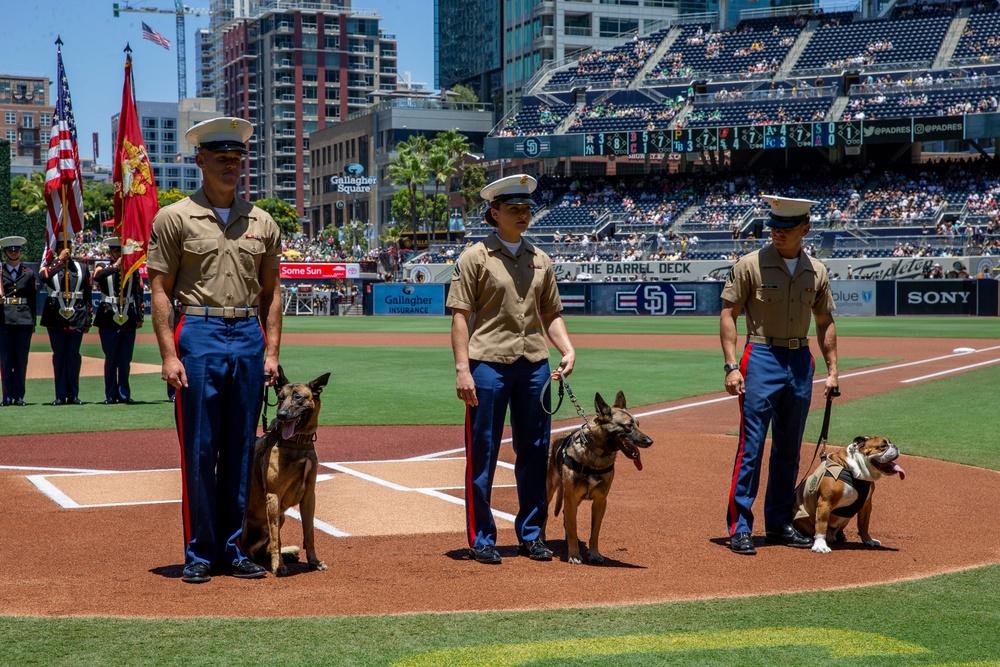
[{"x": 842, "y": 487}]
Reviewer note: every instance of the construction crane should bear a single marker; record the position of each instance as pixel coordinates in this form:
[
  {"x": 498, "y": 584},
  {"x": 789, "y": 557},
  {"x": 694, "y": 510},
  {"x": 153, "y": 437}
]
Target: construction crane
[{"x": 180, "y": 9}]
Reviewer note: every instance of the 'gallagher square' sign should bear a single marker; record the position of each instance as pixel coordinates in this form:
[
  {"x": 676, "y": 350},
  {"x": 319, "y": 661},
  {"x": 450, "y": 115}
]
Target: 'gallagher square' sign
[{"x": 353, "y": 184}]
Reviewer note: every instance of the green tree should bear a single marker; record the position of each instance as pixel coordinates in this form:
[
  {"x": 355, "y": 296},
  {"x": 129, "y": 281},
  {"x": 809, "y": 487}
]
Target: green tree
[
  {"x": 463, "y": 94},
  {"x": 409, "y": 169},
  {"x": 441, "y": 167},
  {"x": 98, "y": 203},
  {"x": 473, "y": 180},
  {"x": 453, "y": 144},
  {"x": 391, "y": 236},
  {"x": 283, "y": 213},
  {"x": 28, "y": 194},
  {"x": 167, "y": 197}
]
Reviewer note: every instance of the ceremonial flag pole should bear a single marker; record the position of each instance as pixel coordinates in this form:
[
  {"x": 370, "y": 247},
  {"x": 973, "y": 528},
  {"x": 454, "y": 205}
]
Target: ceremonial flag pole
[
  {"x": 135, "y": 188},
  {"x": 62, "y": 173}
]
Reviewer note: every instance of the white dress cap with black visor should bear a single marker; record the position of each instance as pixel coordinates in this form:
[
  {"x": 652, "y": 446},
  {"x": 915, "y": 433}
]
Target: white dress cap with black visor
[
  {"x": 514, "y": 189},
  {"x": 787, "y": 212},
  {"x": 12, "y": 242},
  {"x": 221, "y": 134}
]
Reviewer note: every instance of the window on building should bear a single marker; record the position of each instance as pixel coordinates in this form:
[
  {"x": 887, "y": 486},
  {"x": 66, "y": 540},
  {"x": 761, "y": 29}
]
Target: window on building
[
  {"x": 27, "y": 120},
  {"x": 45, "y": 136},
  {"x": 10, "y": 117},
  {"x": 169, "y": 123},
  {"x": 578, "y": 25},
  {"x": 152, "y": 149},
  {"x": 12, "y": 136},
  {"x": 633, "y": 3},
  {"x": 45, "y": 119},
  {"x": 612, "y": 27},
  {"x": 149, "y": 122}
]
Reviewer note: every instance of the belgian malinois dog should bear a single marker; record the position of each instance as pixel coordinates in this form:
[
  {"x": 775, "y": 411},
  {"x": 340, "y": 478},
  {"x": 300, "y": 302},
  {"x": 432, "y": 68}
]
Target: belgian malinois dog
[
  {"x": 284, "y": 475},
  {"x": 582, "y": 467}
]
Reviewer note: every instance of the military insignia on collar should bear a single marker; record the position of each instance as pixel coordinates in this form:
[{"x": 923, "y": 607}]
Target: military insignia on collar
[{"x": 253, "y": 236}]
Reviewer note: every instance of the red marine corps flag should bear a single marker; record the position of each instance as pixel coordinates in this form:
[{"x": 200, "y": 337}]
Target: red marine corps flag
[
  {"x": 63, "y": 188},
  {"x": 135, "y": 189}
]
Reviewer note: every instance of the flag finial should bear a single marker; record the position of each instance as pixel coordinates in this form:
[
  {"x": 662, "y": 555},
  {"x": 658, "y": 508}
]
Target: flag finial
[
  {"x": 128, "y": 48},
  {"x": 59, "y": 41}
]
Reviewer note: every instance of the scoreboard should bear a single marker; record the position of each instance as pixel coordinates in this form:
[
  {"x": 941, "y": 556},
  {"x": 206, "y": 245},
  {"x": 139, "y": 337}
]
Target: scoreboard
[{"x": 747, "y": 137}]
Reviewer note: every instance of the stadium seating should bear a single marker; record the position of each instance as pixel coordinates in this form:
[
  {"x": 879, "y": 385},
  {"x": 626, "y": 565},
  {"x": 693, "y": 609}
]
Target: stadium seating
[{"x": 614, "y": 68}]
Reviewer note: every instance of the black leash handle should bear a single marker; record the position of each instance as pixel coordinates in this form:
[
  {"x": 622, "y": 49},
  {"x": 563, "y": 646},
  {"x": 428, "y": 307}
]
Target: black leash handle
[
  {"x": 824, "y": 432},
  {"x": 263, "y": 414}
]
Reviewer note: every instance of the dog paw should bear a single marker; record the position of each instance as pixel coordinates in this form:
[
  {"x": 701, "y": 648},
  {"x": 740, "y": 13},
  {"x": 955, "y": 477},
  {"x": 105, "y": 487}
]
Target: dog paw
[
  {"x": 574, "y": 559},
  {"x": 872, "y": 542},
  {"x": 317, "y": 565},
  {"x": 821, "y": 549},
  {"x": 281, "y": 571},
  {"x": 596, "y": 558}
]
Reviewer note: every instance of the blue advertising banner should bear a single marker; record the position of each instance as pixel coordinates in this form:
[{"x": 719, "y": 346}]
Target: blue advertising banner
[
  {"x": 407, "y": 299},
  {"x": 655, "y": 298},
  {"x": 854, "y": 297}
]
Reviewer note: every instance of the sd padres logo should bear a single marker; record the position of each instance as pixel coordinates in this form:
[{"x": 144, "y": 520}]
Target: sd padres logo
[
  {"x": 655, "y": 300},
  {"x": 532, "y": 146}
]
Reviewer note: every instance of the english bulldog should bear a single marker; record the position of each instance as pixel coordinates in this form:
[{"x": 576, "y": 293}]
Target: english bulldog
[{"x": 842, "y": 487}]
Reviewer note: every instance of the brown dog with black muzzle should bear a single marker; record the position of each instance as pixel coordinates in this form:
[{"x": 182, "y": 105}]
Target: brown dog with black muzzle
[
  {"x": 582, "y": 467},
  {"x": 284, "y": 475},
  {"x": 842, "y": 487}
]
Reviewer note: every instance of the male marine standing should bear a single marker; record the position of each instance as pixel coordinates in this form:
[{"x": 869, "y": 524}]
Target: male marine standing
[
  {"x": 778, "y": 287},
  {"x": 17, "y": 319},
  {"x": 217, "y": 255}
]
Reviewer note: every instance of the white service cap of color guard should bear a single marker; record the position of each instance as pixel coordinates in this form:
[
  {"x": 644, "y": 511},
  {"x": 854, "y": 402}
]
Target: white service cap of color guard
[
  {"x": 221, "y": 134},
  {"x": 787, "y": 212},
  {"x": 113, "y": 242},
  {"x": 12, "y": 242},
  {"x": 514, "y": 189}
]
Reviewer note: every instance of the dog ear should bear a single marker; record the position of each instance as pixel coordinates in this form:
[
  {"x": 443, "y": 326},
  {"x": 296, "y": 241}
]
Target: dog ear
[
  {"x": 317, "y": 385},
  {"x": 602, "y": 408},
  {"x": 282, "y": 380},
  {"x": 620, "y": 400}
]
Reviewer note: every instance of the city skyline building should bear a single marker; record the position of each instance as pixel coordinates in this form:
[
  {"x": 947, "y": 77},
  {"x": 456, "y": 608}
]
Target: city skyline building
[
  {"x": 292, "y": 67},
  {"x": 26, "y": 113}
]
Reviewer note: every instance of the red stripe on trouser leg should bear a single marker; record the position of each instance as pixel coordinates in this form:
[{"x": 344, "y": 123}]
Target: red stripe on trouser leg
[
  {"x": 470, "y": 514},
  {"x": 733, "y": 511},
  {"x": 179, "y": 412}
]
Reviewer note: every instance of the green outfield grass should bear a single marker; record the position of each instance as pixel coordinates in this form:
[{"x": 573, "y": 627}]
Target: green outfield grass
[{"x": 946, "y": 620}]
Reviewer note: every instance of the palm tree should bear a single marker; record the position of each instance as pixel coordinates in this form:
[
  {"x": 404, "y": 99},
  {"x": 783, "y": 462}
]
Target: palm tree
[
  {"x": 409, "y": 169},
  {"x": 441, "y": 167},
  {"x": 33, "y": 190}
]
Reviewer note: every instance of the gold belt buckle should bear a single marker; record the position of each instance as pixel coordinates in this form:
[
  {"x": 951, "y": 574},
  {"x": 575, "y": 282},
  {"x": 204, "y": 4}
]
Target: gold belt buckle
[
  {"x": 794, "y": 343},
  {"x": 229, "y": 311}
]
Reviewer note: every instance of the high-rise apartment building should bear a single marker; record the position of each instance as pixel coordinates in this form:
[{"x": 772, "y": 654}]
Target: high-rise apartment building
[
  {"x": 26, "y": 117},
  {"x": 292, "y": 67},
  {"x": 496, "y": 46},
  {"x": 163, "y": 125}
]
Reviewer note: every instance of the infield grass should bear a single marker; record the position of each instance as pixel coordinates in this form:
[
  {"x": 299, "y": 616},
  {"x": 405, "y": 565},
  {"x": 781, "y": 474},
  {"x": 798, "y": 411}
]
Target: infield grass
[{"x": 951, "y": 619}]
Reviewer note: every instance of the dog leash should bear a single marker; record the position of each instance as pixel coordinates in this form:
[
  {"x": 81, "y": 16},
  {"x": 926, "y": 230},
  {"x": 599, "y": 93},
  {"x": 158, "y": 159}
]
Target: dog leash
[
  {"x": 824, "y": 432},
  {"x": 263, "y": 415},
  {"x": 563, "y": 383}
]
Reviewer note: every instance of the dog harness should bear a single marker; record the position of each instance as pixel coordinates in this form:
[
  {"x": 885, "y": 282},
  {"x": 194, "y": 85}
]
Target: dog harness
[
  {"x": 863, "y": 488},
  {"x": 297, "y": 441},
  {"x": 575, "y": 465}
]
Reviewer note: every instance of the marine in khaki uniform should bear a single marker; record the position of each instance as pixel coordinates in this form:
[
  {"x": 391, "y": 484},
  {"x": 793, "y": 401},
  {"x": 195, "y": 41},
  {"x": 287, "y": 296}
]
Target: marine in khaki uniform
[
  {"x": 778, "y": 288},
  {"x": 504, "y": 300},
  {"x": 217, "y": 255}
]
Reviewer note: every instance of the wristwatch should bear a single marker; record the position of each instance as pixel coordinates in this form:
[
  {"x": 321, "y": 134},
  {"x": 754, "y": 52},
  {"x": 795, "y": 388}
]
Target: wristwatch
[{"x": 729, "y": 368}]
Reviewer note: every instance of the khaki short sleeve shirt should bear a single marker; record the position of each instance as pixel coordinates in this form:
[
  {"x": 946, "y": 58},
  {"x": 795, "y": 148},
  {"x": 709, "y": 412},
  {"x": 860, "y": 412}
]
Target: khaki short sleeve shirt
[
  {"x": 508, "y": 295},
  {"x": 778, "y": 305},
  {"x": 214, "y": 262}
]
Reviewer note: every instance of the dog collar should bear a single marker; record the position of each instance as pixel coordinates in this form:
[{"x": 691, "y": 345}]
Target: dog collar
[
  {"x": 578, "y": 467},
  {"x": 297, "y": 441}
]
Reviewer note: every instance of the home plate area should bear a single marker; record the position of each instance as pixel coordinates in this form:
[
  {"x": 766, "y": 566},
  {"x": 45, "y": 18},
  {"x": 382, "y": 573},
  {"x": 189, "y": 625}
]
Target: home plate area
[{"x": 359, "y": 498}]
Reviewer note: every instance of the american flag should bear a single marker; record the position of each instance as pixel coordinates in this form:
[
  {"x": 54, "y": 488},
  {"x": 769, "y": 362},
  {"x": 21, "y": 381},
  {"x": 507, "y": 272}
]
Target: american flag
[
  {"x": 62, "y": 171},
  {"x": 153, "y": 36}
]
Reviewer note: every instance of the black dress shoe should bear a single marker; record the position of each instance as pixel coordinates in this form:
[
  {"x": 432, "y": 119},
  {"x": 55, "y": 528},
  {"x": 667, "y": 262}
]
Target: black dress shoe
[
  {"x": 247, "y": 569},
  {"x": 74, "y": 401},
  {"x": 128, "y": 401},
  {"x": 486, "y": 553},
  {"x": 788, "y": 536},
  {"x": 58, "y": 401},
  {"x": 742, "y": 543},
  {"x": 19, "y": 402},
  {"x": 535, "y": 550},
  {"x": 196, "y": 573},
  {"x": 109, "y": 401},
  {"x": 6, "y": 402}
]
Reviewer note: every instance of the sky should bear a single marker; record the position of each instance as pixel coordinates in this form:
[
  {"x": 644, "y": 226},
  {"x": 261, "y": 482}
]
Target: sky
[{"x": 94, "y": 58}]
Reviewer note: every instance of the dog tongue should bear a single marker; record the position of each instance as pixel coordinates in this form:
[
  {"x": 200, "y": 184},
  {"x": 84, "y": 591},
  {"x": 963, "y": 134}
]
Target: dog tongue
[
  {"x": 287, "y": 430},
  {"x": 637, "y": 460},
  {"x": 897, "y": 469}
]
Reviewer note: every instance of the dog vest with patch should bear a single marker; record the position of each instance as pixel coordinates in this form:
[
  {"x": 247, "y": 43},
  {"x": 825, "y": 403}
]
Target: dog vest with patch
[
  {"x": 808, "y": 491},
  {"x": 575, "y": 465}
]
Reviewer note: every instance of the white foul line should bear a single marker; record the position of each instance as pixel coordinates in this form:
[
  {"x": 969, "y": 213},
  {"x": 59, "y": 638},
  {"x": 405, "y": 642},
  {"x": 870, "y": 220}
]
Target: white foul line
[
  {"x": 318, "y": 524},
  {"x": 953, "y": 370}
]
